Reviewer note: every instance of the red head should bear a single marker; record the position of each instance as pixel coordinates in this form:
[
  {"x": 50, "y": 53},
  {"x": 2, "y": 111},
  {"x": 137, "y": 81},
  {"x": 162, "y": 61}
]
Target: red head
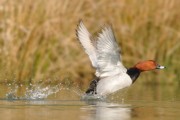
[{"x": 148, "y": 65}]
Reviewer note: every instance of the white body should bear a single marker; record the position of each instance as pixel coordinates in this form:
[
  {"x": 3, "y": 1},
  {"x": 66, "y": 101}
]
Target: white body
[
  {"x": 112, "y": 84},
  {"x": 104, "y": 54}
]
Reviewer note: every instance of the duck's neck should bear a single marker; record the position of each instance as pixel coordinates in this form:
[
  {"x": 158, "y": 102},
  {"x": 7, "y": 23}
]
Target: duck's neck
[{"x": 133, "y": 73}]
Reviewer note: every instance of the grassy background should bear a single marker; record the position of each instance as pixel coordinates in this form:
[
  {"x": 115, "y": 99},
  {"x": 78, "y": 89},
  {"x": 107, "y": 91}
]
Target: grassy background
[{"x": 37, "y": 37}]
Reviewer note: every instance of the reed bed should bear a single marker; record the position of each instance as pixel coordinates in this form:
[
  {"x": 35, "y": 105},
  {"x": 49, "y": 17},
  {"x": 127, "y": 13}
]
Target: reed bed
[{"x": 37, "y": 37}]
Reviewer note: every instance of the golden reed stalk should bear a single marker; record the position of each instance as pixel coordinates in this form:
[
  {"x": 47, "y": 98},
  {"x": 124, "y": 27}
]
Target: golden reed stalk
[{"x": 37, "y": 37}]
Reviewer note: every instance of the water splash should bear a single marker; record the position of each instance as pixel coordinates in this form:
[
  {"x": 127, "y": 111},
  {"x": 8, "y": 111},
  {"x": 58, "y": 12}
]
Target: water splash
[
  {"x": 12, "y": 93},
  {"x": 46, "y": 88},
  {"x": 32, "y": 92},
  {"x": 39, "y": 92},
  {"x": 95, "y": 97}
]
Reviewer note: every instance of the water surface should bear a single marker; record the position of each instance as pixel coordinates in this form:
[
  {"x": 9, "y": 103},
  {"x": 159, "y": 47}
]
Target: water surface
[{"x": 139, "y": 102}]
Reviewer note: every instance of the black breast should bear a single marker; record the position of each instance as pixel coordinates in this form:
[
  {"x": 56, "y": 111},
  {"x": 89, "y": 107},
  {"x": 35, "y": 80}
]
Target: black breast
[{"x": 133, "y": 73}]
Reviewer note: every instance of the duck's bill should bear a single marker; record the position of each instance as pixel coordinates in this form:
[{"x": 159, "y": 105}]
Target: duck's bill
[{"x": 160, "y": 67}]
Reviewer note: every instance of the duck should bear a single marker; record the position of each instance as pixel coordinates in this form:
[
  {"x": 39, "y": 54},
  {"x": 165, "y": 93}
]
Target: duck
[{"x": 105, "y": 56}]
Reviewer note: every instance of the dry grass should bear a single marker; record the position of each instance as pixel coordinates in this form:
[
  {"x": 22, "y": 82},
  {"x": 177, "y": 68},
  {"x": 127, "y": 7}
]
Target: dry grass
[{"x": 37, "y": 37}]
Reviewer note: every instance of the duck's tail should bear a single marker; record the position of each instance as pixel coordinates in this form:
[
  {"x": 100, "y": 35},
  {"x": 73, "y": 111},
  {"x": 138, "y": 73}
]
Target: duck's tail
[{"x": 92, "y": 87}]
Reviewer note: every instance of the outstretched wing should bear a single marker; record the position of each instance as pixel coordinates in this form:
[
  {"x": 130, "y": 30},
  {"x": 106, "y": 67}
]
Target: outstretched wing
[
  {"x": 85, "y": 39},
  {"x": 108, "y": 54}
]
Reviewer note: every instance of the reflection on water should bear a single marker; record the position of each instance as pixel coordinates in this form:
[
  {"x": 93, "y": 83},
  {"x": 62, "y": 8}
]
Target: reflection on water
[
  {"x": 137, "y": 103},
  {"x": 132, "y": 110},
  {"x": 108, "y": 111}
]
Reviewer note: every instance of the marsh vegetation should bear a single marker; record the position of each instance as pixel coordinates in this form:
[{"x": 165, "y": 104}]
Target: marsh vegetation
[{"x": 37, "y": 38}]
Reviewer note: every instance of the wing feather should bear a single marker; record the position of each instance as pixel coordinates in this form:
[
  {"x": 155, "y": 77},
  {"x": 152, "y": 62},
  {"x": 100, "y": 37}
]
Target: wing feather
[
  {"x": 108, "y": 52},
  {"x": 84, "y": 38}
]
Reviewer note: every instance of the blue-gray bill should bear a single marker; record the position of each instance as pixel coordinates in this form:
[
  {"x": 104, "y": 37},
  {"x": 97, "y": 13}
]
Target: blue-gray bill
[{"x": 160, "y": 67}]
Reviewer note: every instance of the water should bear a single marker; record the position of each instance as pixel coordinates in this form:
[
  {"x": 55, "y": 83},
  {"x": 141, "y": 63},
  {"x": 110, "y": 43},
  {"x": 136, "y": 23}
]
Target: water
[{"x": 55, "y": 102}]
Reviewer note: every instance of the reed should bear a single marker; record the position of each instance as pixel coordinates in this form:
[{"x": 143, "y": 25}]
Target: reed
[{"x": 37, "y": 37}]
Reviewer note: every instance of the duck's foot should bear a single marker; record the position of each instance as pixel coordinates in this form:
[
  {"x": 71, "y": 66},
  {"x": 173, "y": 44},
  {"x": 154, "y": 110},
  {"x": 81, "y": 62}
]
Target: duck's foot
[{"x": 92, "y": 87}]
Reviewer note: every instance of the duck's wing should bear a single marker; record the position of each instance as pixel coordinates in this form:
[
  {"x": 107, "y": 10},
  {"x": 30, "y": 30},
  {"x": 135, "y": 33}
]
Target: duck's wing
[
  {"x": 85, "y": 39},
  {"x": 108, "y": 54}
]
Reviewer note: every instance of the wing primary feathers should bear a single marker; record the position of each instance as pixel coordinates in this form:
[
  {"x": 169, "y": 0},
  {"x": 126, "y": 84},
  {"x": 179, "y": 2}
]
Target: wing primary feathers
[
  {"x": 103, "y": 53},
  {"x": 86, "y": 41},
  {"x": 108, "y": 53}
]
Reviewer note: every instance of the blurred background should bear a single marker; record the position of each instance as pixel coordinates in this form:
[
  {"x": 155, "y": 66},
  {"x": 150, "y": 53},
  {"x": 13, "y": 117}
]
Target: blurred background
[{"x": 38, "y": 40}]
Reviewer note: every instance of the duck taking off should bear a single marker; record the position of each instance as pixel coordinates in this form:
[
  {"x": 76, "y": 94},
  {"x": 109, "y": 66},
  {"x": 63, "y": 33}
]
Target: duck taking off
[{"x": 104, "y": 54}]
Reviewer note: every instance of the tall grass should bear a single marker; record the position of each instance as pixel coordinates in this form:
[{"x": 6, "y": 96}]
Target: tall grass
[{"x": 37, "y": 37}]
